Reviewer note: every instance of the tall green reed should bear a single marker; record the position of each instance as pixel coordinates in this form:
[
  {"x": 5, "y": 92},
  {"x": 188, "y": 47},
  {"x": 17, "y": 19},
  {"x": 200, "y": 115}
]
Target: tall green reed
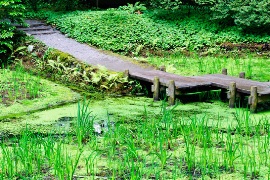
[{"x": 84, "y": 124}]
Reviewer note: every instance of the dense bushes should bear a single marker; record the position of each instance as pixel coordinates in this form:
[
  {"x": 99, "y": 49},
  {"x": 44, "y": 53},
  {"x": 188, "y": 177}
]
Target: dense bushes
[
  {"x": 249, "y": 15},
  {"x": 10, "y": 11}
]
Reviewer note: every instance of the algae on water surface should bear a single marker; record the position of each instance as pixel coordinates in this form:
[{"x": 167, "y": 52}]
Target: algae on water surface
[{"x": 130, "y": 110}]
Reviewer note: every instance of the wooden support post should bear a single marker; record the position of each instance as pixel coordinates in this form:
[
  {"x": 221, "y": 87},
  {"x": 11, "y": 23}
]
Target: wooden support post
[
  {"x": 155, "y": 88},
  {"x": 242, "y": 75},
  {"x": 253, "y": 99},
  {"x": 162, "y": 68},
  {"x": 232, "y": 94},
  {"x": 224, "y": 71},
  {"x": 171, "y": 92},
  {"x": 126, "y": 73}
]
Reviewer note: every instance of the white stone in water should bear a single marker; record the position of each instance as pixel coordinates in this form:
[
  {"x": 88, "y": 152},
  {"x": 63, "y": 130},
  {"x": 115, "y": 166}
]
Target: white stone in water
[
  {"x": 97, "y": 128},
  {"x": 30, "y": 48}
]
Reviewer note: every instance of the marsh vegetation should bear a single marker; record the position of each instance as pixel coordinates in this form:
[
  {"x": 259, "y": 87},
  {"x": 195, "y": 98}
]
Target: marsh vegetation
[{"x": 45, "y": 135}]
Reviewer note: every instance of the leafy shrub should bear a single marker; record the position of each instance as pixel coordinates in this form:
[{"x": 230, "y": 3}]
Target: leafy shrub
[
  {"x": 253, "y": 16},
  {"x": 174, "y": 4},
  {"x": 134, "y": 8},
  {"x": 10, "y": 11}
]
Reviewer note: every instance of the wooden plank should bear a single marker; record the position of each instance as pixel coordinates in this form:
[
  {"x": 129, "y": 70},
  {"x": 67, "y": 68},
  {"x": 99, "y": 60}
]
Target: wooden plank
[
  {"x": 181, "y": 82},
  {"x": 243, "y": 85},
  {"x": 185, "y": 85}
]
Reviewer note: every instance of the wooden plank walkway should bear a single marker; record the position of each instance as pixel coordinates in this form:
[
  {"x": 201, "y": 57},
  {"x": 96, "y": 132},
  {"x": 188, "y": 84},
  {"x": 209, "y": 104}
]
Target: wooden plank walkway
[
  {"x": 235, "y": 87},
  {"x": 174, "y": 84}
]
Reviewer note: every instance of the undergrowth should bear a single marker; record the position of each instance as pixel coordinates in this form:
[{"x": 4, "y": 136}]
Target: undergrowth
[{"x": 138, "y": 34}]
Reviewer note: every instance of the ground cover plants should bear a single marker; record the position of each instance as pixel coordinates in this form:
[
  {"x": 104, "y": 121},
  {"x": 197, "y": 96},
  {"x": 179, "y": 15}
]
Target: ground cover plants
[
  {"x": 187, "y": 44},
  {"x": 18, "y": 85},
  {"x": 64, "y": 68},
  {"x": 134, "y": 34}
]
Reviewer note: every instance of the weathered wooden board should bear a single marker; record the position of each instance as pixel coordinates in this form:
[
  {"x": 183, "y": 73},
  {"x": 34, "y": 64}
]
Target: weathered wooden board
[
  {"x": 181, "y": 82},
  {"x": 205, "y": 81},
  {"x": 236, "y": 86},
  {"x": 242, "y": 85}
]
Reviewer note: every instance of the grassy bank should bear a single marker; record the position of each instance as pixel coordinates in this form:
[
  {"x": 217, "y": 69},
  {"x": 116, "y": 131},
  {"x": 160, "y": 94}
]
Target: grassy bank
[
  {"x": 255, "y": 67},
  {"x": 22, "y": 92}
]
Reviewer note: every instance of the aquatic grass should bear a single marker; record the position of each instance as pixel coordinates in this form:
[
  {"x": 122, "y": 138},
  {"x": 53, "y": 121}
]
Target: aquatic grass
[
  {"x": 8, "y": 164},
  {"x": 90, "y": 163},
  {"x": 230, "y": 151},
  {"x": 17, "y": 84},
  {"x": 71, "y": 165},
  {"x": 162, "y": 154},
  {"x": 85, "y": 121},
  {"x": 165, "y": 144}
]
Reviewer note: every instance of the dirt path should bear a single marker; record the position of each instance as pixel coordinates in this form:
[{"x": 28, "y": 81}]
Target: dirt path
[
  {"x": 86, "y": 53},
  {"x": 83, "y": 52}
]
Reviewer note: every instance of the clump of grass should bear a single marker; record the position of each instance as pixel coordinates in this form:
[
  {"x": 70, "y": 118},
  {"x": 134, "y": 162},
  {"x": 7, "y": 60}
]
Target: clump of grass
[
  {"x": 17, "y": 85},
  {"x": 85, "y": 121}
]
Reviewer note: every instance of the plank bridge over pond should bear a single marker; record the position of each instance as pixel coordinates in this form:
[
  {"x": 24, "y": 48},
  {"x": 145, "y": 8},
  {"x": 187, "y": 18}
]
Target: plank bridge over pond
[
  {"x": 173, "y": 85},
  {"x": 233, "y": 87}
]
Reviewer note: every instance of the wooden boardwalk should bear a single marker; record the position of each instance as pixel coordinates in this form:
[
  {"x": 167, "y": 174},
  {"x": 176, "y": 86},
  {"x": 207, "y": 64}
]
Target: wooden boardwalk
[
  {"x": 258, "y": 92},
  {"x": 173, "y": 84}
]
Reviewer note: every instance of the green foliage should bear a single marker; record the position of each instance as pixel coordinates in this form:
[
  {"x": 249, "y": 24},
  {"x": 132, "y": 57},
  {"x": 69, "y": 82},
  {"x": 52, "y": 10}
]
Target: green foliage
[
  {"x": 10, "y": 11},
  {"x": 177, "y": 4},
  {"x": 18, "y": 85},
  {"x": 250, "y": 15},
  {"x": 174, "y": 4},
  {"x": 133, "y": 34},
  {"x": 134, "y": 8},
  {"x": 254, "y": 15},
  {"x": 205, "y": 2}
]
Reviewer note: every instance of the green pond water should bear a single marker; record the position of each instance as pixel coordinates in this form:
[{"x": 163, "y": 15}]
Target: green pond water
[{"x": 128, "y": 110}]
